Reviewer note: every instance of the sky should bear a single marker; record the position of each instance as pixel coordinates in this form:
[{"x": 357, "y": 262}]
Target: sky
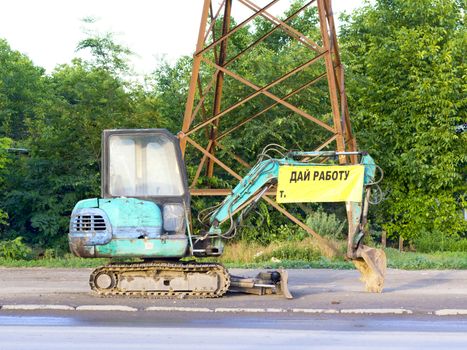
[{"x": 47, "y": 31}]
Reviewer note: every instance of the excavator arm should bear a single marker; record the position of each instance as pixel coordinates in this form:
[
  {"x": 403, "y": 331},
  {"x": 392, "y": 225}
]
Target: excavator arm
[
  {"x": 369, "y": 261},
  {"x": 250, "y": 189}
]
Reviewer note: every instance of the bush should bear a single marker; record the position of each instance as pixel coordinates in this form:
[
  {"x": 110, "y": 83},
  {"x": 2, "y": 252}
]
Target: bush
[
  {"x": 14, "y": 249},
  {"x": 327, "y": 225},
  {"x": 304, "y": 251},
  {"x": 436, "y": 241}
]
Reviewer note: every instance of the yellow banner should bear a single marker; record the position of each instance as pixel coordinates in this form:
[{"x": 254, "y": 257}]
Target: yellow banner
[{"x": 338, "y": 183}]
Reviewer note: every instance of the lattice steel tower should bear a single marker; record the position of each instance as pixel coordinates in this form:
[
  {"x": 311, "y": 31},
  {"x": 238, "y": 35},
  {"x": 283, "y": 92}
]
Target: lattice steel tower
[{"x": 205, "y": 108}]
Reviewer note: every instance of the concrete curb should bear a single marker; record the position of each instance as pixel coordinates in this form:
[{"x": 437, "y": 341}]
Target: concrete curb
[
  {"x": 37, "y": 307},
  {"x": 450, "y": 312},
  {"x": 180, "y": 309},
  {"x": 377, "y": 311},
  {"x": 125, "y": 308},
  {"x": 249, "y": 310},
  {"x": 316, "y": 311},
  {"x": 106, "y": 308}
]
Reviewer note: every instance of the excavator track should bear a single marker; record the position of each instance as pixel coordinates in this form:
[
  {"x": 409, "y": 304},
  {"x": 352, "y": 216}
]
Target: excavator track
[{"x": 161, "y": 280}]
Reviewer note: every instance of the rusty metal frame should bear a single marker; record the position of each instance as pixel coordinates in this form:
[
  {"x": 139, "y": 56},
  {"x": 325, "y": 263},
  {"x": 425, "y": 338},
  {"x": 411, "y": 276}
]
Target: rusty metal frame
[{"x": 208, "y": 46}]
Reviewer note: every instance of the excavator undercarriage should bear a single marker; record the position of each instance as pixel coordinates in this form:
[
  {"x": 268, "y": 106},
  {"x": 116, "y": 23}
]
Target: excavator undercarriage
[
  {"x": 161, "y": 279},
  {"x": 181, "y": 280}
]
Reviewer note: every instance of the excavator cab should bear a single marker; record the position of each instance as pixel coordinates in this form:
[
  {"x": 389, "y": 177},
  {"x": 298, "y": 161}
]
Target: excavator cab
[
  {"x": 145, "y": 164},
  {"x": 144, "y": 200}
]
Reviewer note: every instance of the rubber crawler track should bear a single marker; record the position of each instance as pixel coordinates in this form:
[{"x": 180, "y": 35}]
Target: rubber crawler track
[{"x": 115, "y": 269}]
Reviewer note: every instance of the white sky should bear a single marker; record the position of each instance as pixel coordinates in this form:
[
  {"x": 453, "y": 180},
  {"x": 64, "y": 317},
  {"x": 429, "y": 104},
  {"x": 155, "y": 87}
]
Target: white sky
[{"x": 48, "y": 30}]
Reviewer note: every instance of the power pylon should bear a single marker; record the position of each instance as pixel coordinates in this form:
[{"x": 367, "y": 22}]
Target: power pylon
[{"x": 213, "y": 53}]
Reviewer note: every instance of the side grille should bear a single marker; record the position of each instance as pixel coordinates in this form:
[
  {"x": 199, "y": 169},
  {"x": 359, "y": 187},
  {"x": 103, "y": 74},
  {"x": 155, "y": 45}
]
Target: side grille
[
  {"x": 88, "y": 223},
  {"x": 89, "y": 226}
]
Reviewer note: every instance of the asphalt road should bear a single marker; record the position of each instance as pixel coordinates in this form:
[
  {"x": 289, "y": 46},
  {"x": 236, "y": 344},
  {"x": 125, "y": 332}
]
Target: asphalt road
[
  {"x": 179, "y": 330},
  {"x": 419, "y": 291},
  {"x": 330, "y": 311}
]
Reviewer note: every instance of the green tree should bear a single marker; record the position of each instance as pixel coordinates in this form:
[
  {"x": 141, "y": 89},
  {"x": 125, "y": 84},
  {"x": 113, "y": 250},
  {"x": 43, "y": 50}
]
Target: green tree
[
  {"x": 4, "y": 144},
  {"x": 84, "y": 98},
  {"x": 20, "y": 91},
  {"x": 169, "y": 85},
  {"x": 105, "y": 52},
  {"x": 406, "y": 85}
]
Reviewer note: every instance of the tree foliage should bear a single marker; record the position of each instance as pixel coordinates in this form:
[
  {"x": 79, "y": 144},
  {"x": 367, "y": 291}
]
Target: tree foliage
[
  {"x": 407, "y": 92},
  {"x": 83, "y": 98},
  {"x": 406, "y": 81},
  {"x": 105, "y": 52},
  {"x": 4, "y": 144},
  {"x": 20, "y": 91}
]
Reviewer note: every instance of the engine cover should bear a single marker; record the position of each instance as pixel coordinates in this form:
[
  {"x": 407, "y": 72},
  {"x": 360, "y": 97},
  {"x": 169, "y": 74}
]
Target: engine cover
[{"x": 122, "y": 227}]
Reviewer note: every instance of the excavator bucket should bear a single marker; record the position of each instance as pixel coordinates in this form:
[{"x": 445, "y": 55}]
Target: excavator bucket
[
  {"x": 270, "y": 282},
  {"x": 371, "y": 263}
]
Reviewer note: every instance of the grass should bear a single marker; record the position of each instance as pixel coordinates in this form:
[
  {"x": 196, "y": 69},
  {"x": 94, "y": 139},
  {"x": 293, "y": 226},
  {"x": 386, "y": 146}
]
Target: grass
[
  {"x": 67, "y": 261},
  {"x": 305, "y": 254},
  {"x": 296, "y": 254},
  {"x": 421, "y": 261},
  {"x": 293, "y": 254}
]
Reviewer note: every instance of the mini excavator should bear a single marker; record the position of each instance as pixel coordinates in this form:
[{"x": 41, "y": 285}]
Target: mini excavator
[{"x": 144, "y": 214}]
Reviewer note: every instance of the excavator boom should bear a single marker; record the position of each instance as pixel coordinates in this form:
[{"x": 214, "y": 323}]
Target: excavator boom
[{"x": 369, "y": 261}]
